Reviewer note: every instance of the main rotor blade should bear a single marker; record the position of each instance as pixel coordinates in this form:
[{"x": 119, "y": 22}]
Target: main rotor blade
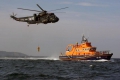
[
  {"x": 59, "y": 9},
  {"x": 29, "y": 10},
  {"x": 39, "y": 7}
]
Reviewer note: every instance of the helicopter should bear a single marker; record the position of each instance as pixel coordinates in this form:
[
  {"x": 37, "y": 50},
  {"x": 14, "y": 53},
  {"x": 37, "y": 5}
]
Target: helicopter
[{"x": 42, "y": 17}]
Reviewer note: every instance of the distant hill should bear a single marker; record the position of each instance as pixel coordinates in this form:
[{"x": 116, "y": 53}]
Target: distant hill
[{"x": 12, "y": 54}]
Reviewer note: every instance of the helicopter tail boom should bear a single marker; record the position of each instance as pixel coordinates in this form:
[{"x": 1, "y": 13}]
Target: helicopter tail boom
[{"x": 15, "y": 18}]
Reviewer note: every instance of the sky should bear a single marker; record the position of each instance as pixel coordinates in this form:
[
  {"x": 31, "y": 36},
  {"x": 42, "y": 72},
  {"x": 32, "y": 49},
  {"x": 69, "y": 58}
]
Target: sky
[{"x": 98, "y": 20}]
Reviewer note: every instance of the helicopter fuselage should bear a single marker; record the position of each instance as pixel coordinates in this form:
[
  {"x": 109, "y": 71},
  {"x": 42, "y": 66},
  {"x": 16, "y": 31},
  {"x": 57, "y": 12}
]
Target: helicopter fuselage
[
  {"x": 43, "y": 16},
  {"x": 40, "y": 18}
]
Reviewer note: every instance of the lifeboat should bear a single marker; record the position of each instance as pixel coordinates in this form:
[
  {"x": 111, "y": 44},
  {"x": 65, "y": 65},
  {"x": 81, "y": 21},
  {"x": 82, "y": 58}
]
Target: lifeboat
[{"x": 84, "y": 51}]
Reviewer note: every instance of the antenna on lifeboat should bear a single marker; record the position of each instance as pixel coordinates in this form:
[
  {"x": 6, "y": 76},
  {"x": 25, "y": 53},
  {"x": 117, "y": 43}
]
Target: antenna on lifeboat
[{"x": 82, "y": 38}]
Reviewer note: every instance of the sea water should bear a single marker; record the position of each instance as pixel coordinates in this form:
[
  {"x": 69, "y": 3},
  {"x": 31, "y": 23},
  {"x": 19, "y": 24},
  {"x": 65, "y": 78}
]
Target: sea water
[{"x": 54, "y": 69}]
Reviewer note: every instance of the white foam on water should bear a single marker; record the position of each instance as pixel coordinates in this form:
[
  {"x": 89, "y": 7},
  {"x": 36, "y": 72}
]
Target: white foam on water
[
  {"x": 51, "y": 58},
  {"x": 101, "y": 60},
  {"x": 30, "y": 58}
]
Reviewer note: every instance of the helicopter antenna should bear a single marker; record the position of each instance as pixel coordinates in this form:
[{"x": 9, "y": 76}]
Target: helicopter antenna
[
  {"x": 59, "y": 9},
  {"x": 40, "y": 7}
]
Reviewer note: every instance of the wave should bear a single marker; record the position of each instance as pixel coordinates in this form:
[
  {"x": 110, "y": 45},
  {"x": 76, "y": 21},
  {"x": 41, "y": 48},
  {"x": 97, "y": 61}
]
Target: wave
[{"x": 30, "y": 58}]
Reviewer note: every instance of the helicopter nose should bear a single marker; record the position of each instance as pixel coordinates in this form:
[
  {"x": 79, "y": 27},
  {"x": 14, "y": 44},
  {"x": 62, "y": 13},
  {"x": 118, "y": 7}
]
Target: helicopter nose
[{"x": 57, "y": 19}]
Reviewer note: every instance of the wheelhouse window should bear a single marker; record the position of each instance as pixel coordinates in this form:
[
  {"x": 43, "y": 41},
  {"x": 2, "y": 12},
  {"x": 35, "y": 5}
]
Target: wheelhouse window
[{"x": 92, "y": 49}]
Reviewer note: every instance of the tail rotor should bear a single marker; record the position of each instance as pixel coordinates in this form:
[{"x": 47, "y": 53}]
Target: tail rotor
[{"x": 13, "y": 15}]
